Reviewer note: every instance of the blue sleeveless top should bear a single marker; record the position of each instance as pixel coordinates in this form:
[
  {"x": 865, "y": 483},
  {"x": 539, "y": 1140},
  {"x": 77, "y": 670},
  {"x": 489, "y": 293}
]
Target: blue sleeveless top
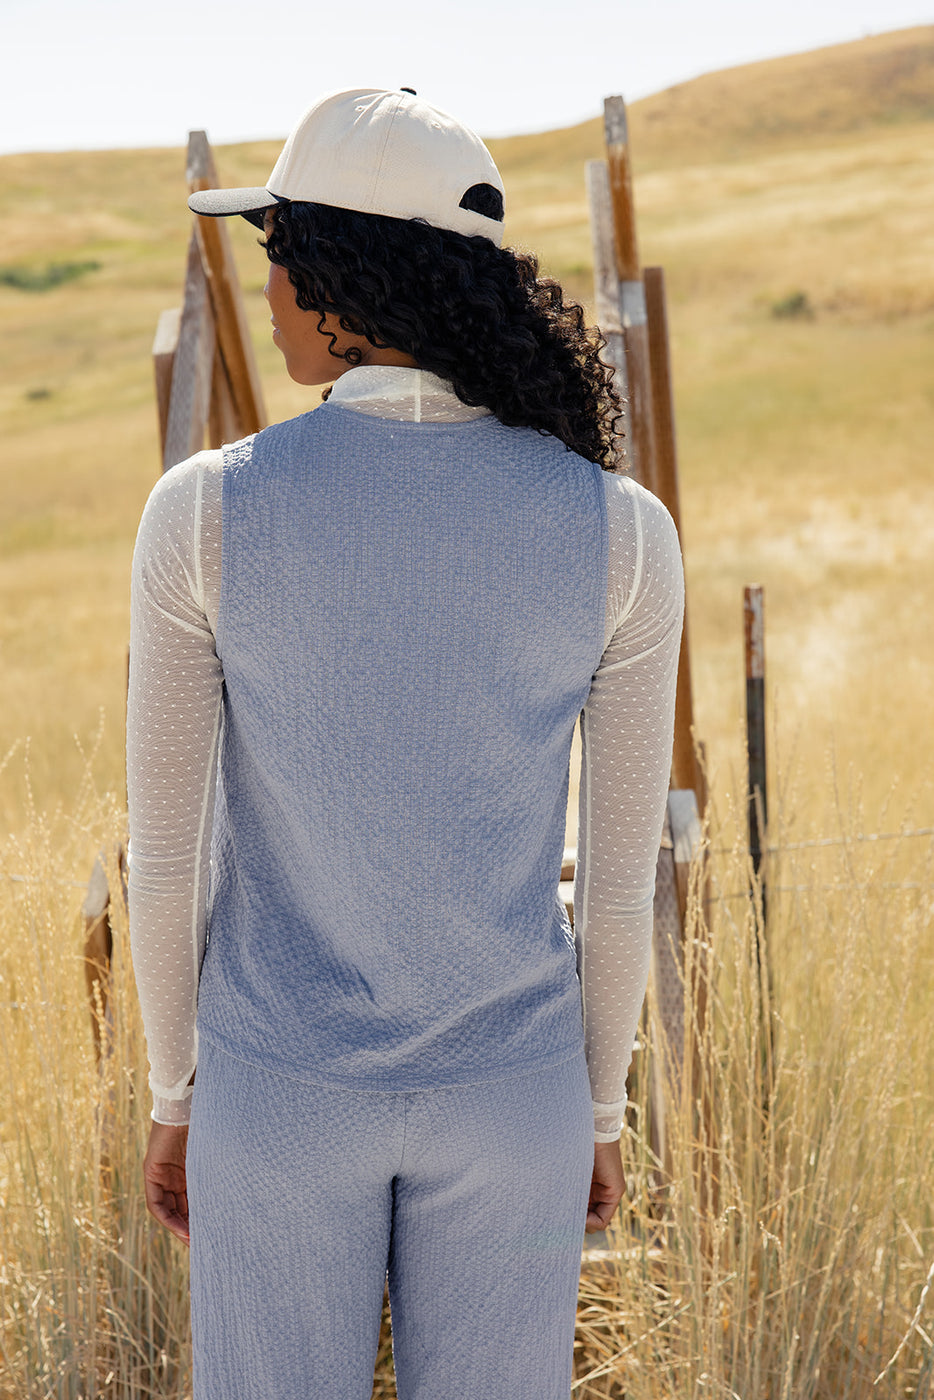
[{"x": 410, "y": 617}]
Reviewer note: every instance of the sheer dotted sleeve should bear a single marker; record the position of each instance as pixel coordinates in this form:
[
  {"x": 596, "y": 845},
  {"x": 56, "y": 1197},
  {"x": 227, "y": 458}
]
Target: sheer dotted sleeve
[
  {"x": 627, "y": 730},
  {"x": 173, "y": 724},
  {"x": 173, "y": 720}
]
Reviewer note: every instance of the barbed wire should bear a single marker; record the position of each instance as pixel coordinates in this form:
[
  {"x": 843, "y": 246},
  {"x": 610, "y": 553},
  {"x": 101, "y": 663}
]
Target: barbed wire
[
  {"x": 44, "y": 880},
  {"x": 821, "y": 842},
  {"x": 818, "y": 843},
  {"x": 860, "y": 836},
  {"x": 824, "y": 885}
]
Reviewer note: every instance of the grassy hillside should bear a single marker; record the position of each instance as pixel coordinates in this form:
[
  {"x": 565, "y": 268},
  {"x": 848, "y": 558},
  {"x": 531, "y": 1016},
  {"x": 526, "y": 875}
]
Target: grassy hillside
[
  {"x": 801, "y": 1265},
  {"x": 804, "y": 441},
  {"x": 780, "y": 103}
]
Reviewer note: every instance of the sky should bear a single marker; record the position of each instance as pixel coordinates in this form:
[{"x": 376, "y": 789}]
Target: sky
[{"x": 104, "y": 73}]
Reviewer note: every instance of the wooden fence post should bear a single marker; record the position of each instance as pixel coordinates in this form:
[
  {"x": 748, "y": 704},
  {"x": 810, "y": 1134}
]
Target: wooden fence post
[
  {"x": 681, "y": 847},
  {"x": 164, "y": 347},
  {"x": 243, "y": 394},
  {"x": 686, "y": 771},
  {"x": 607, "y": 307},
  {"x": 665, "y": 1066},
  {"x": 206, "y": 381},
  {"x": 632, "y": 308},
  {"x": 193, "y": 367}
]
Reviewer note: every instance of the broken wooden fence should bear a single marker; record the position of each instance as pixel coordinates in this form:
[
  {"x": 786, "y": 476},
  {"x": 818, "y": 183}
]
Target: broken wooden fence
[
  {"x": 208, "y": 392},
  {"x": 631, "y": 312}
]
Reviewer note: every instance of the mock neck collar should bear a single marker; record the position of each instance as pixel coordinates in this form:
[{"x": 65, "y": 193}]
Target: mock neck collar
[{"x": 395, "y": 391}]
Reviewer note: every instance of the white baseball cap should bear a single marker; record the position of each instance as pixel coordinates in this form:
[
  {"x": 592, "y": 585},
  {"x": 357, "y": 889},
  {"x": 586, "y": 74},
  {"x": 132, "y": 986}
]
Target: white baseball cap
[{"x": 376, "y": 152}]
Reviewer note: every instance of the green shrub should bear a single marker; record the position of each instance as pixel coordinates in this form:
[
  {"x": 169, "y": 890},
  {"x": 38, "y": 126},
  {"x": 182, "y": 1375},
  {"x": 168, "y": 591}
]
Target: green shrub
[
  {"x": 29, "y": 279},
  {"x": 795, "y": 306}
]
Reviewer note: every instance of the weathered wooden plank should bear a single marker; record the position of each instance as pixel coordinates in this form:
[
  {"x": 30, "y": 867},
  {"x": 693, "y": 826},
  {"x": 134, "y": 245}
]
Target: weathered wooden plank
[
  {"x": 233, "y": 333},
  {"x": 691, "y": 875},
  {"x": 98, "y": 955},
  {"x": 687, "y": 840},
  {"x": 631, "y": 295},
  {"x": 638, "y": 379},
  {"x": 666, "y": 457},
  {"x": 164, "y": 346},
  {"x": 97, "y": 909},
  {"x": 606, "y": 292},
  {"x": 193, "y": 367},
  {"x": 605, "y": 278},
  {"x": 223, "y": 420},
  {"x": 625, "y": 242},
  {"x": 686, "y": 771},
  {"x": 667, "y": 972}
]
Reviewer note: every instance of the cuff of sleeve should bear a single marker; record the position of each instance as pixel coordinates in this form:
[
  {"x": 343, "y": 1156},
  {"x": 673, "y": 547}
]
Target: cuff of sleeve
[
  {"x": 173, "y": 1112},
  {"x": 608, "y": 1120}
]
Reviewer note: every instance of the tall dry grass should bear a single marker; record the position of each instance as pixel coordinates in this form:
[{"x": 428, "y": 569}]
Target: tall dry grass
[
  {"x": 804, "y": 444},
  {"x": 93, "y": 1297},
  {"x": 787, "y": 1252},
  {"x": 783, "y": 1256},
  {"x": 793, "y": 1265}
]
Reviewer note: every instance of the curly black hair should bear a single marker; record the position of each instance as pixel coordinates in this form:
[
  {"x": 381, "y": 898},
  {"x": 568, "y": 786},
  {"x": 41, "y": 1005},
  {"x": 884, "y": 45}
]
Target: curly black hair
[{"x": 478, "y": 316}]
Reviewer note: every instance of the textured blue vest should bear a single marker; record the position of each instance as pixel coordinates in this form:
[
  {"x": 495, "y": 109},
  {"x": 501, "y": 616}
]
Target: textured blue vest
[{"x": 410, "y": 617}]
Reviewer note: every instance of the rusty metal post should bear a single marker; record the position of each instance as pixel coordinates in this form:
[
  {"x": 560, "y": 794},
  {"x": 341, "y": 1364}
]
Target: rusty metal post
[
  {"x": 758, "y": 810},
  {"x": 758, "y": 817}
]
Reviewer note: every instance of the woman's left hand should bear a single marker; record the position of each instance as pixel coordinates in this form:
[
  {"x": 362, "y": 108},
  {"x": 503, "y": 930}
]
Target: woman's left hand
[
  {"x": 606, "y": 1187},
  {"x": 165, "y": 1177}
]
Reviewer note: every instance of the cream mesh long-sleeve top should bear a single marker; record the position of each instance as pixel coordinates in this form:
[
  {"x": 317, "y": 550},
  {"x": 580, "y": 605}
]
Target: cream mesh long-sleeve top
[{"x": 174, "y": 718}]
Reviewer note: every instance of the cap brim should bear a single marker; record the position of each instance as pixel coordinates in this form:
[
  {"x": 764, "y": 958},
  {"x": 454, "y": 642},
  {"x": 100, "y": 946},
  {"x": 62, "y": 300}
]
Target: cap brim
[{"x": 251, "y": 203}]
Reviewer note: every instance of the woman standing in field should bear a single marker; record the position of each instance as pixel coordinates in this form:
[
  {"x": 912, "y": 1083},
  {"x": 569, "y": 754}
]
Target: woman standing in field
[{"x": 361, "y": 641}]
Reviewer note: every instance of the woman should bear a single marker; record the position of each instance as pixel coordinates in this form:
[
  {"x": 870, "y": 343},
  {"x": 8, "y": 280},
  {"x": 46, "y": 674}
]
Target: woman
[{"x": 361, "y": 641}]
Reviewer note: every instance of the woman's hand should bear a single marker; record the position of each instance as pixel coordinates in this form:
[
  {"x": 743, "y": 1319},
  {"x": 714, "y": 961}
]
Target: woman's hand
[
  {"x": 164, "y": 1177},
  {"x": 606, "y": 1187}
]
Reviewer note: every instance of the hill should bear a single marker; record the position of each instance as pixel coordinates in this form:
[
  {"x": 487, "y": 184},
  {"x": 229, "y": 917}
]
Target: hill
[
  {"x": 778, "y": 104},
  {"x": 817, "y": 144},
  {"x": 805, "y": 456},
  {"x": 805, "y": 181},
  {"x": 829, "y": 145},
  {"x": 786, "y": 103}
]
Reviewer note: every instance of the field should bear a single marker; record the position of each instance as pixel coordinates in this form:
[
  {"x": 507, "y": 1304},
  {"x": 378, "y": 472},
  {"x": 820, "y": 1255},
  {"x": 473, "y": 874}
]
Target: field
[{"x": 791, "y": 205}]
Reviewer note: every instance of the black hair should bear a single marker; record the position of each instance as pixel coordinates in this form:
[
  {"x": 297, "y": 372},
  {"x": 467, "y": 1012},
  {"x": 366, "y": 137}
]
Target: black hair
[{"x": 478, "y": 316}]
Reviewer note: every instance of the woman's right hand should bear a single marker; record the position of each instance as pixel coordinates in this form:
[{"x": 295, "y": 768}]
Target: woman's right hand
[
  {"x": 165, "y": 1179},
  {"x": 606, "y": 1187}
]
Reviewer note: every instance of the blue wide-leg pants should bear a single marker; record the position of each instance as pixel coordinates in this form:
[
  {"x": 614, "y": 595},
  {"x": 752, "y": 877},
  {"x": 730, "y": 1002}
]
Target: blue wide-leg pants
[{"x": 304, "y": 1197}]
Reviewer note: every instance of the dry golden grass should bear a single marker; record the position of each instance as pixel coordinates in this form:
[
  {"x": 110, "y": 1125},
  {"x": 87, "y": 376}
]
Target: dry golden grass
[
  {"x": 93, "y": 1299},
  {"x": 805, "y": 451},
  {"x": 785, "y": 1257},
  {"x": 804, "y": 443},
  {"x": 788, "y": 1253},
  {"x": 788, "y": 103},
  {"x": 781, "y": 103}
]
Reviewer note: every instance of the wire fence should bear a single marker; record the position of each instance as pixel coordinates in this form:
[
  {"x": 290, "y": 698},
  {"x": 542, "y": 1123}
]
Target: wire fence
[
  {"x": 44, "y": 880},
  {"x": 821, "y": 842},
  {"x": 817, "y": 843},
  {"x": 826, "y": 843}
]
